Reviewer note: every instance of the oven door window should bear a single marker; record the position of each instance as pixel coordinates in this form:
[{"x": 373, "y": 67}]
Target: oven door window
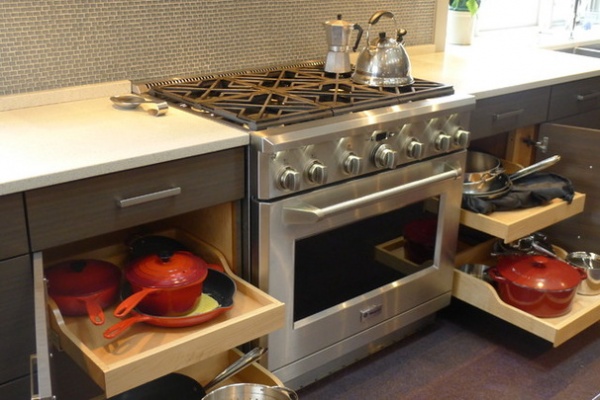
[{"x": 340, "y": 264}]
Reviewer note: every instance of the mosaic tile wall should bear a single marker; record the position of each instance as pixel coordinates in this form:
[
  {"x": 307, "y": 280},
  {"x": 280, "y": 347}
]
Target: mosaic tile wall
[{"x": 46, "y": 44}]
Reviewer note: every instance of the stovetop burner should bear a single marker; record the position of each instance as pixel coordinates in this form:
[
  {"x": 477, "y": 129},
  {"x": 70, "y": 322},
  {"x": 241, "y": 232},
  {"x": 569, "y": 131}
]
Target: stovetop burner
[{"x": 261, "y": 98}]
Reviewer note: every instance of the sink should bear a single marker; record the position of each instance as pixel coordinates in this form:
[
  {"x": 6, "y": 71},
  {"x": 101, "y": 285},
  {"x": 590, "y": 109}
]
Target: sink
[{"x": 590, "y": 50}]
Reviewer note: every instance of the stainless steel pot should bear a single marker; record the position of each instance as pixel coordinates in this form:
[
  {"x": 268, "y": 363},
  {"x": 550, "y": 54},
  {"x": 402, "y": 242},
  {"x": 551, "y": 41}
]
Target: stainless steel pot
[
  {"x": 384, "y": 61},
  {"x": 251, "y": 391},
  {"x": 486, "y": 177}
]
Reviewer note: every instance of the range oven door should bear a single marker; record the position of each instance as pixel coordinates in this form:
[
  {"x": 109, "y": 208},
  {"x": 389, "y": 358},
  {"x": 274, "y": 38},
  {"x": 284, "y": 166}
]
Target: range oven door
[{"x": 321, "y": 254}]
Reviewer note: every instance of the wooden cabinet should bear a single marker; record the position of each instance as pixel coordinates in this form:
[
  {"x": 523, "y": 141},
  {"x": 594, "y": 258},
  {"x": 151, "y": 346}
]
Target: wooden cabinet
[
  {"x": 577, "y": 140},
  {"x": 91, "y": 207},
  {"x": 191, "y": 200},
  {"x": 13, "y": 230},
  {"x": 570, "y": 226},
  {"x": 17, "y": 330},
  {"x": 508, "y": 112},
  {"x": 574, "y": 98},
  {"x": 17, "y": 339}
]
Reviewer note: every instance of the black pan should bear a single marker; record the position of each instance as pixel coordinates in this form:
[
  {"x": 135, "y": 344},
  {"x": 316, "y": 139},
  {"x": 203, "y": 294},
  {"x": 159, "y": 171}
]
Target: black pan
[{"x": 182, "y": 387}]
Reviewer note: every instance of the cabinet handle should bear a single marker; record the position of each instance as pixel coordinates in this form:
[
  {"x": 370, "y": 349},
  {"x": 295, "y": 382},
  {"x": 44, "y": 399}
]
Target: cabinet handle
[
  {"x": 145, "y": 198},
  {"x": 587, "y": 97},
  {"x": 508, "y": 114}
]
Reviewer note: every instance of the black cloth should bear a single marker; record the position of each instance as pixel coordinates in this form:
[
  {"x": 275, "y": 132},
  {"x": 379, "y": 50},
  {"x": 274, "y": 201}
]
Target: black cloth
[{"x": 530, "y": 191}]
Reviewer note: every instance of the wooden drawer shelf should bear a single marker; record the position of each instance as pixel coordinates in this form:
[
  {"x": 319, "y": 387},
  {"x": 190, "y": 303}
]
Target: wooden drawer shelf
[
  {"x": 147, "y": 352},
  {"x": 512, "y": 225},
  {"x": 206, "y": 370},
  {"x": 584, "y": 313}
]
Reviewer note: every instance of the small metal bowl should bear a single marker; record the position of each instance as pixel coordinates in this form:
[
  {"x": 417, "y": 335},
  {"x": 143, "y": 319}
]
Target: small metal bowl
[
  {"x": 590, "y": 262},
  {"x": 478, "y": 271}
]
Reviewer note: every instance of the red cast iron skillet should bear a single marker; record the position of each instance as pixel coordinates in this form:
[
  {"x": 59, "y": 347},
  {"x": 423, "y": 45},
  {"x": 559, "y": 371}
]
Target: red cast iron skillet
[
  {"x": 84, "y": 287},
  {"x": 217, "y": 285}
]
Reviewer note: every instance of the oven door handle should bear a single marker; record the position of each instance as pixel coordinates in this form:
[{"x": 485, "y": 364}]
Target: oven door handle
[{"x": 304, "y": 213}]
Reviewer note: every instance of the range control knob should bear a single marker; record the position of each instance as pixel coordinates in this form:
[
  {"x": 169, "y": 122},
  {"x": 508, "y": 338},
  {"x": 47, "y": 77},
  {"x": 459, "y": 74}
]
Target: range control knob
[
  {"x": 443, "y": 142},
  {"x": 385, "y": 157},
  {"x": 352, "y": 164},
  {"x": 414, "y": 149},
  {"x": 462, "y": 138},
  {"x": 289, "y": 179},
  {"x": 317, "y": 173}
]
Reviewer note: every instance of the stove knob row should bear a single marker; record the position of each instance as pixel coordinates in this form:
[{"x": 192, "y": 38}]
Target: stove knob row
[
  {"x": 289, "y": 179},
  {"x": 415, "y": 149},
  {"x": 352, "y": 164},
  {"x": 385, "y": 157},
  {"x": 443, "y": 142},
  {"x": 462, "y": 138},
  {"x": 316, "y": 173}
]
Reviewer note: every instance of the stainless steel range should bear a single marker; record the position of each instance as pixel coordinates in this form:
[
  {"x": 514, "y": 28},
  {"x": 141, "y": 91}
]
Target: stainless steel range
[{"x": 353, "y": 204}]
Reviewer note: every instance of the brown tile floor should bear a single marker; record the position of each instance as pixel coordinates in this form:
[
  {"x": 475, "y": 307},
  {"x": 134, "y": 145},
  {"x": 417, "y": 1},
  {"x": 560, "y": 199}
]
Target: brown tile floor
[{"x": 468, "y": 354}]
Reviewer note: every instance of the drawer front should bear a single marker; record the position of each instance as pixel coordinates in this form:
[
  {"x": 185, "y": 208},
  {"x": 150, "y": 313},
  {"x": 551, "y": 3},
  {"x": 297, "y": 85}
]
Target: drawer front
[
  {"x": 574, "y": 98},
  {"x": 13, "y": 229},
  {"x": 508, "y": 112},
  {"x": 82, "y": 209},
  {"x": 17, "y": 325}
]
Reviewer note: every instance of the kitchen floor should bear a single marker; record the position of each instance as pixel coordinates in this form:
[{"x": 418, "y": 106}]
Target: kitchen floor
[{"x": 469, "y": 354}]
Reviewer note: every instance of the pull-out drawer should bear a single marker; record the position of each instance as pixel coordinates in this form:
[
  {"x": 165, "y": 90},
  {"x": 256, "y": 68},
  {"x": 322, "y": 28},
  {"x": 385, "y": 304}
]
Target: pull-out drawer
[
  {"x": 585, "y": 310},
  {"x": 82, "y": 209},
  {"x": 574, "y": 97},
  {"x": 145, "y": 352},
  {"x": 508, "y": 112},
  {"x": 13, "y": 229}
]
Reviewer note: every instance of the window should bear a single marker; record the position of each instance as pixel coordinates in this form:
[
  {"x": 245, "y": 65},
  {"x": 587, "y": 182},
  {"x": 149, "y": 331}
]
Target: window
[{"x": 541, "y": 14}]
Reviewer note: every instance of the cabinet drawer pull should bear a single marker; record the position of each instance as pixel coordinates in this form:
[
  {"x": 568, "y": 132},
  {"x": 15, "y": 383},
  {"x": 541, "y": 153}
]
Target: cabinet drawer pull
[
  {"x": 587, "y": 97},
  {"x": 508, "y": 114},
  {"x": 145, "y": 198}
]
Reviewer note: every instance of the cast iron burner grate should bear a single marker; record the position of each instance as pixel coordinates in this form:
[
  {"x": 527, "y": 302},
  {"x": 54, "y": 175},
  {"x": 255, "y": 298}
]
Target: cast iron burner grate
[{"x": 261, "y": 98}]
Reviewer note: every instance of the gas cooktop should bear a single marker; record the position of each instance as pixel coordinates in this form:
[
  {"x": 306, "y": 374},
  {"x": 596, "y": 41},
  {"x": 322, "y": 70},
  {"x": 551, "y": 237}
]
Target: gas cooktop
[{"x": 283, "y": 95}]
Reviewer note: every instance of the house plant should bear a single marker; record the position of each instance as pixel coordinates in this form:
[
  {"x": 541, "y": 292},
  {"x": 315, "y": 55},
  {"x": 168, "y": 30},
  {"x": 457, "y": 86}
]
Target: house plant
[{"x": 462, "y": 16}]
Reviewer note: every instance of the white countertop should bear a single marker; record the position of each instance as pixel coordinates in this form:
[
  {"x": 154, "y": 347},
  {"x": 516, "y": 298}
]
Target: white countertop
[
  {"x": 84, "y": 135},
  {"x": 46, "y": 145}
]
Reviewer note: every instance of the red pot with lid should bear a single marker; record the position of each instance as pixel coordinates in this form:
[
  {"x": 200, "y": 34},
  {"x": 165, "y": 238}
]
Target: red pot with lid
[
  {"x": 164, "y": 284},
  {"x": 84, "y": 287},
  {"x": 540, "y": 285}
]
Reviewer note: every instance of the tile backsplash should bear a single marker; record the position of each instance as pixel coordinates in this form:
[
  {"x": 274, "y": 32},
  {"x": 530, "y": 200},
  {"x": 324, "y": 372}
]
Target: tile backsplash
[{"x": 48, "y": 44}]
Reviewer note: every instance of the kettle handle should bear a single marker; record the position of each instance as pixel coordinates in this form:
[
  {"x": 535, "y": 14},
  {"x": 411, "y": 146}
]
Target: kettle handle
[
  {"x": 358, "y": 36},
  {"x": 378, "y": 14}
]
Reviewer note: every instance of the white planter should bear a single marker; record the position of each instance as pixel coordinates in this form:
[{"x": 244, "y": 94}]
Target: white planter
[{"x": 461, "y": 27}]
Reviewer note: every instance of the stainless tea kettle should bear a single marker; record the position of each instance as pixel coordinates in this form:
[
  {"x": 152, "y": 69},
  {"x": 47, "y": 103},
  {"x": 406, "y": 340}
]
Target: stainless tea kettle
[
  {"x": 338, "y": 36},
  {"x": 384, "y": 61}
]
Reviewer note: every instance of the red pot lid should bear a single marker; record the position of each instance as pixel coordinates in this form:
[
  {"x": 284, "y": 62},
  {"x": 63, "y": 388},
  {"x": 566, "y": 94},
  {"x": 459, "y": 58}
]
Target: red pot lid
[
  {"x": 81, "y": 277},
  {"x": 539, "y": 272},
  {"x": 167, "y": 270}
]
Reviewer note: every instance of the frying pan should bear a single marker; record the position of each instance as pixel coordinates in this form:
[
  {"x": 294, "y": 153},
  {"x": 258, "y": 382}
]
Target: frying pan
[
  {"x": 218, "y": 287},
  {"x": 182, "y": 387}
]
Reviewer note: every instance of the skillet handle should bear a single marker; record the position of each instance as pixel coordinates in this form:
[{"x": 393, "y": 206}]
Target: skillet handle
[
  {"x": 129, "y": 303},
  {"x": 94, "y": 310},
  {"x": 121, "y": 326}
]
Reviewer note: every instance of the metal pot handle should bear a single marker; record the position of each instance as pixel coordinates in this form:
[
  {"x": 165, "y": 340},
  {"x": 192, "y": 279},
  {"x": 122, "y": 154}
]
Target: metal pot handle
[
  {"x": 495, "y": 275},
  {"x": 291, "y": 394},
  {"x": 378, "y": 14}
]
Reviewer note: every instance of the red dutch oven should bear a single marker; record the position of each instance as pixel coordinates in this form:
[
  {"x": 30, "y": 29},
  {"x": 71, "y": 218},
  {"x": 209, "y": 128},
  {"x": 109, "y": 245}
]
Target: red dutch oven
[
  {"x": 164, "y": 284},
  {"x": 81, "y": 287},
  {"x": 539, "y": 285}
]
